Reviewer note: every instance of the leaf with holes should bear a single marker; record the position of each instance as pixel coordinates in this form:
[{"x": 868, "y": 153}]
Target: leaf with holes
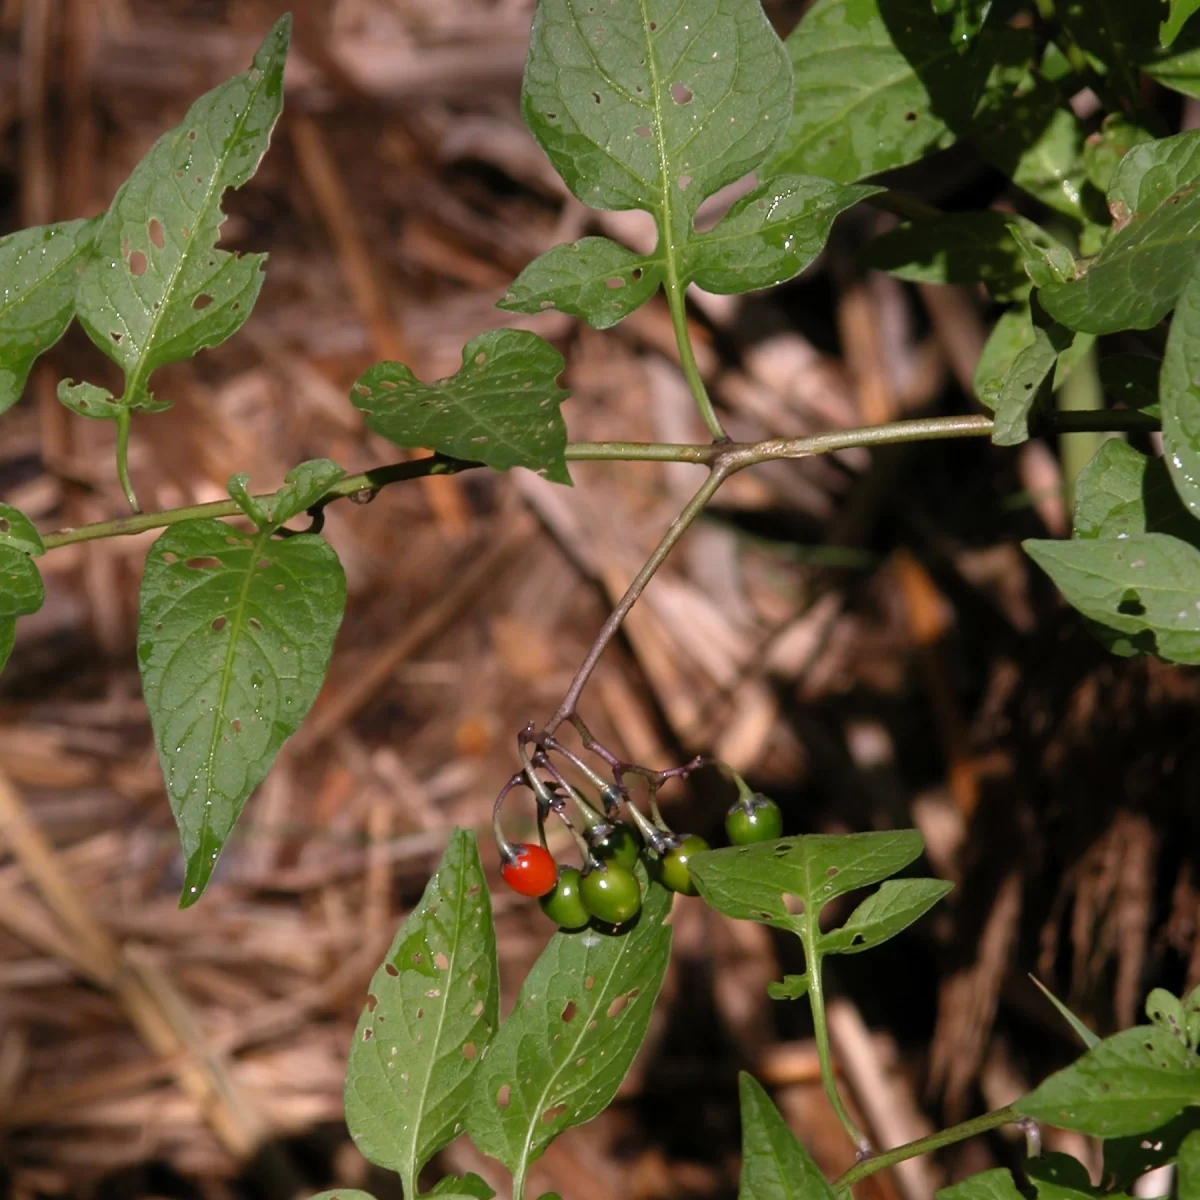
[
  {"x": 1131, "y": 1082},
  {"x": 775, "y": 1166},
  {"x": 40, "y": 268},
  {"x": 1057, "y": 1176},
  {"x": 885, "y": 913},
  {"x": 958, "y": 248},
  {"x": 657, "y": 106},
  {"x": 996, "y": 1184},
  {"x": 1179, "y": 396},
  {"x": 1139, "y": 274},
  {"x": 580, "y": 1017},
  {"x": 872, "y": 77},
  {"x": 787, "y": 882},
  {"x": 1127, "y": 1159},
  {"x": 234, "y": 637},
  {"x": 500, "y": 409},
  {"x": 594, "y": 278},
  {"x": 21, "y": 589},
  {"x": 155, "y": 289},
  {"x": 1143, "y": 587},
  {"x": 303, "y": 487},
  {"x": 1122, "y": 491},
  {"x": 431, "y": 1011}
]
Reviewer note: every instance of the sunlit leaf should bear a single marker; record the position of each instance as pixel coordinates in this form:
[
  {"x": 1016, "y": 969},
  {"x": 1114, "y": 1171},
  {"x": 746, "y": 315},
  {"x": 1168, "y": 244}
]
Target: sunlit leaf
[
  {"x": 579, "y": 1019},
  {"x": 501, "y": 408},
  {"x": 1027, "y": 383},
  {"x": 470, "y": 1186},
  {"x": 1122, "y": 491},
  {"x": 1012, "y": 333},
  {"x": 431, "y": 1010},
  {"x": 775, "y": 1166},
  {"x": 234, "y": 638},
  {"x": 304, "y": 486},
  {"x": 996, "y": 1184},
  {"x": 155, "y": 288},
  {"x": 1179, "y": 395},
  {"x": 40, "y": 268},
  {"x": 886, "y": 912}
]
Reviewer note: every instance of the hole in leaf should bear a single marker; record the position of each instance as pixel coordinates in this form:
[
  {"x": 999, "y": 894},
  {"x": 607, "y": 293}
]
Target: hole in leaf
[
  {"x": 368, "y": 1034},
  {"x": 137, "y": 263},
  {"x": 477, "y": 1009},
  {"x": 203, "y": 564},
  {"x": 831, "y": 872},
  {"x": 618, "y": 1004},
  {"x": 168, "y": 557},
  {"x": 191, "y": 135},
  {"x": 615, "y": 282},
  {"x": 551, "y": 116},
  {"x": 910, "y": 116},
  {"x": 653, "y": 26},
  {"x": 681, "y": 94},
  {"x": 642, "y": 131},
  {"x": 1131, "y": 604},
  {"x": 857, "y": 940},
  {"x": 155, "y": 229},
  {"x": 596, "y": 97},
  {"x": 637, "y": 274},
  {"x": 480, "y": 359},
  {"x": 116, "y": 337},
  {"x": 782, "y": 850},
  {"x": 202, "y": 301},
  {"x": 372, "y": 1002},
  {"x": 441, "y": 961},
  {"x": 502, "y": 1096},
  {"x": 218, "y": 624},
  {"x": 551, "y": 1113},
  {"x": 254, "y": 623},
  {"x": 469, "y": 1050},
  {"x": 235, "y": 725},
  {"x": 684, "y": 180},
  {"x": 590, "y": 982},
  {"x": 420, "y": 1014},
  {"x": 568, "y": 1013},
  {"x": 391, "y": 969}
]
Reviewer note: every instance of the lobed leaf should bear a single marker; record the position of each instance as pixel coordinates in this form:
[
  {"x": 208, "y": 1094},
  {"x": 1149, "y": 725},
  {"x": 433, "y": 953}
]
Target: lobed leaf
[
  {"x": 303, "y": 486},
  {"x": 996, "y": 1184},
  {"x": 896, "y": 905},
  {"x": 561, "y": 1054},
  {"x": 775, "y": 1166},
  {"x": 1180, "y": 397},
  {"x": 432, "y": 1008},
  {"x": 1122, "y": 491},
  {"x": 769, "y": 235},
  {"x": 40, "y": 268},
  {"x": 1129, "y": 1083},
  {"x": 1144, "y": 587},
  {"x": 764, "y": 882},
  {"x": 234, "y": 638},
  {"x": 501, "y": 408},
  {"x": 155, "y": 289}
]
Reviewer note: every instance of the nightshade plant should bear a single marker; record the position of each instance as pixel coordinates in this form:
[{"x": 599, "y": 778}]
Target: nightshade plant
[{"x": 1090, "y": 246}]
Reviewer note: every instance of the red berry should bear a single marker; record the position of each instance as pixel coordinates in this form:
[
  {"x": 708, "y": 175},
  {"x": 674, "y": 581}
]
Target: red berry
[{"x": 531, "y": 871}]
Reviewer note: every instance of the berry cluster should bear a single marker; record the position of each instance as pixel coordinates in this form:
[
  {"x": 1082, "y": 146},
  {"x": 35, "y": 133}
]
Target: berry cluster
[{"x": 606, "y": 889}]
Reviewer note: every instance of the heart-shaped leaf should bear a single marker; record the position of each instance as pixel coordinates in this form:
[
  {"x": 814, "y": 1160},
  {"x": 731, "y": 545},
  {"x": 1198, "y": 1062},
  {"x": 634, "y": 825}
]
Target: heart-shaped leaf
[
  {"x": 580, "y": 1017},
  {"x": 234, "y": 638},
  {"x": 775, "y": 1166},
  {"x": 155, "y": 288},
  {"x": 40, "y": 268},
  {"x": 431, "y": 1011},
  {"x": 500, "y": 409}
]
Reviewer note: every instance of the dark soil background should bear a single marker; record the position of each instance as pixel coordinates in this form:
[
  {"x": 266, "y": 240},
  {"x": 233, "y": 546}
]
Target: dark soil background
[{"x": 861, "y": 636}]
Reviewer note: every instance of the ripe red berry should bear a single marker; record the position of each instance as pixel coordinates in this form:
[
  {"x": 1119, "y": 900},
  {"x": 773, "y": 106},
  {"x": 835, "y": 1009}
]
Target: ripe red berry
[{"x": 531, "y": 871}]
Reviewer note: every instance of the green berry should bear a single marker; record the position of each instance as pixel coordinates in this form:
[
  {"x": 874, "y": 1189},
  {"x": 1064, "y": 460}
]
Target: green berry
[
  {"x": 611, "y": 893},
  {"x": 758, "y": 820},
  {"x": 673, "y": 866},
  {"x": 564, "y": 905},
  {"x": 620, "y": 844}
]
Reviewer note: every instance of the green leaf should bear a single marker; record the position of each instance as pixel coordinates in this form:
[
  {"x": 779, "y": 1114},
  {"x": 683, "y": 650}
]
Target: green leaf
[
  {"x": 234, "y": 638},
  {"x": 1104, "y": 149},
  {"x": 753, "y": 883},
  {"x": 1144, "y": 586},
  {"x": 1180, "y": 397},
  {"x": 1027, "y": 384},
  {"x": 594, "y": 278},
  {"x": 1085, "y": 1035},
  {"x": 303, "y": 487},
  {"x": 1127, "y": 1159},
  {"x": 155, "y": 289},
  {"x": 769, "y": 235},
  {"x": 501, "y": 408},
  {"x": 1129, "y": 1083},
  {"x": 1122, "y": 491},
  {"x": 1137, "y": 277},
  {"x": 1181, "y": 10},
  {"x": 1057, "y": 1176},
  {"x": 958, "y": 248},
  {"x": 580, "y": 1017},
  {"x": 996, "y": 1184},
  {"x": 863, "y": 99},
  {"x": 793, "y": 987},
  {"x": 431, "y": 1011},
  {"x": 1132, "y": 380},
  {"x": 1112, "y": 33},
  {"x": 1189, "y": 1168},
  {"x": 1046, "y": 261},
  {"x": 343, "y": 1194},
  {"x": 775, "y": 1166},
  {"x": 885, "y": 913},
  {"x": 21, "y": 589},
  {"x": 470, "y": 1185},
  {"x": 1012, "y": 333},
  {"x": 40, "y": 268}
]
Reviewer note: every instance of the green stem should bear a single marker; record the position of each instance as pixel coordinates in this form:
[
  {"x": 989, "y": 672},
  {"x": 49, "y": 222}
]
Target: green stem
[
  {"x": 691, "y": 372},
  {"x": 925, "y": 1145},
  {"x": 124, "y": 420}
]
